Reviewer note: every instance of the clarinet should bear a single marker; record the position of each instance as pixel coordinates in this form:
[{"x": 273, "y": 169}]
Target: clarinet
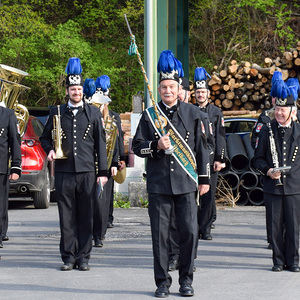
[{"x": 274, "y": 153}]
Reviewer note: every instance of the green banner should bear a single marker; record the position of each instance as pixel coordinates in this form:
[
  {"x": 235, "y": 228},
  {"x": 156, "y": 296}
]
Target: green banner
[{"x": 182, "y": 152}]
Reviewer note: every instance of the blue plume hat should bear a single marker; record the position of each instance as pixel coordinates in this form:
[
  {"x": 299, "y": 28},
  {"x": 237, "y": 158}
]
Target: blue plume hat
[
  {"x": 200, "y": 78},
  {"x": 74, "y": 70},
  {"x": 294, "y": 87},
  {"x": 179, "y": 68},
  {"x": 169, "y": 67},
  {"x": 281, "y": 91},
  {"x": 277, "y": 75},
  {"x": 89, "y": 87},
  {"x": 103, "y": 85}
]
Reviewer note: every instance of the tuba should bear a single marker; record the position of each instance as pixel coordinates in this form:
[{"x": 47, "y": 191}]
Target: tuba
[
  {"x": 10, "y": 92},
  {"x": 56, "y": 136}
]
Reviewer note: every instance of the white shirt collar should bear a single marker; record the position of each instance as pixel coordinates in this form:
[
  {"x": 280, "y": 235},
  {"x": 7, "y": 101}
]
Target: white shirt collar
[
  {"x": 78, "y": 104},
  {"x": 167, "y": 106}
]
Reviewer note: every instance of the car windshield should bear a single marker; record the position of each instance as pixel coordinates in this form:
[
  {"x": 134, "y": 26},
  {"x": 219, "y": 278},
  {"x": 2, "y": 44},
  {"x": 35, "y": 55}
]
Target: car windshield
[{"x": 236, "y": 126}]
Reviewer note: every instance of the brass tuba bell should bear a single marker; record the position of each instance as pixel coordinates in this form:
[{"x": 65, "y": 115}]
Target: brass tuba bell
[{"x": 10, "y": 92}]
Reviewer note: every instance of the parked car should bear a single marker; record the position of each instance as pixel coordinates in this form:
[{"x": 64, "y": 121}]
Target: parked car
[
  {"x": 239, "y": 125},
  {"x": 37, "y": 178},
  {"x": 41, "y": 113}
]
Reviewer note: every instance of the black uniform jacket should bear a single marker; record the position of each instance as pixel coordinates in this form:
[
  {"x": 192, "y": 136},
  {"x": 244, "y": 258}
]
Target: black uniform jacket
[
  {"x": 216, "y": 119},
  {"x": 164, "y": 174},
  {"x": 288, "y": 155},
  {"x": 209, "y": 135},
  {"x": 10, "y": 142},
  {"x": 83, "y": 136},
  {"x": 265, "y": 117}
]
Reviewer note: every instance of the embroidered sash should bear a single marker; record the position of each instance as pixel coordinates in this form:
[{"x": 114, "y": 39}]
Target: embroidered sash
[{"x": 182, "y": 152}]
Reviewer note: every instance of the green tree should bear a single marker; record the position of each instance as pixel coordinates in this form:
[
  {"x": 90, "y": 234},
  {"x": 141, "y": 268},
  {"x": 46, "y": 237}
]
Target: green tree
[{"x": 241, "y": 29}]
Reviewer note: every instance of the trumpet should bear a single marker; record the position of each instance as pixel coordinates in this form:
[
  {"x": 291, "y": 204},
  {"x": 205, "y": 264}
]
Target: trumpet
[{"x": 56, "y": 135}]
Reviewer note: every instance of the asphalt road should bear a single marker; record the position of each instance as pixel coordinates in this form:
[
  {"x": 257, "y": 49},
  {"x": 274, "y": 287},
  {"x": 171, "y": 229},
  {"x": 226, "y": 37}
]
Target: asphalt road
[{"x": 236, "y": 264}]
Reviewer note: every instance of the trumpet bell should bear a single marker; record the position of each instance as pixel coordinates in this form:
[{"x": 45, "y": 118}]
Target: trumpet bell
[{"x": 59, "y": 154}]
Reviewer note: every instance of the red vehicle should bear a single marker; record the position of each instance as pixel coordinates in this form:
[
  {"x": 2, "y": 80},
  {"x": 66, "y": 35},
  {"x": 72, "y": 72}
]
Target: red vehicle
[{"x": 37, "y": 179}]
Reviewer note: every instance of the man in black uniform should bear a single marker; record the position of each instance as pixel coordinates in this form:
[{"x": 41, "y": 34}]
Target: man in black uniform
[
  {"x": 170, "y": 180},
  {"x": 102, "y": 204},
  {"x": 207, "y": 207},
  {"x": 103, "y": 87},
  {"x": 10, "y": 147},
  {"x": 279, "y": 88},
  {"x": 76, "y": 180},
  {"x": 278, "y": 146},
  {"x": 174, "y": 236}
]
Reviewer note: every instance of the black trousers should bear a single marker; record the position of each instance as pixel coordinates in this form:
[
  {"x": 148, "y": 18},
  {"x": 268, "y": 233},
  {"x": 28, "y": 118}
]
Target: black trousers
[
  {"x": 207, "y": 207},
  {"x": 75, "y": 194},
  {"x": 4, "y": 190},
  {"x": 160, "y": 211},
  {"x": 285, "y": 219},
  {"x": 173, "y": 238},
  {"x": 111, "y": 205},
  {"x": 268, "y": 208},
  {"x": 101, "y": 211}
]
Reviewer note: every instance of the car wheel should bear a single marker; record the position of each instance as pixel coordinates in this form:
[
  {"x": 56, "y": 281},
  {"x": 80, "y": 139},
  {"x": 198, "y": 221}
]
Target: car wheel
[{"x": 42, "y": 199}]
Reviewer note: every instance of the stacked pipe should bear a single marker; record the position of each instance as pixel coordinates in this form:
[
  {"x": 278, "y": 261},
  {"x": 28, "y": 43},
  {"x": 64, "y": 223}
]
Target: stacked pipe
[{"x": 240, "y": 173}]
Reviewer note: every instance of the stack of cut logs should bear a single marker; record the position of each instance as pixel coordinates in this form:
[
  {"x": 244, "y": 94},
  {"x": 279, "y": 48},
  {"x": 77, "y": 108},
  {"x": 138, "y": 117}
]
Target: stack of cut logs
[{"x": 247, "y": 87}]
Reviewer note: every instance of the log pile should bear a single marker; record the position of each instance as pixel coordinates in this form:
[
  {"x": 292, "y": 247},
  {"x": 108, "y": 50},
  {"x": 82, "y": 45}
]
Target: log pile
[{"x": 247, "y": 86}]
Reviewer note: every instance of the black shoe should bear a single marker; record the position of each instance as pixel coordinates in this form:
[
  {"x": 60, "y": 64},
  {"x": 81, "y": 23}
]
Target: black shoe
[
  {"x": 277, "y": 268},
  {"x": 294, "y": 268},
  {"x": 84, "y": 267},
  {"x": 270, "y": 246},
  {"x": 5, "y": 238},
  {"x": 212, "y": 226},
  {"x": 206, "y": 236},
  {"x": 173, "y": 265},
  {"x": 162, "y": 291},
  {"x": 98, "y": 243},
  {"x": 67, "y": 267},
  {"x": 1, "y": 245},
  {"x": 186, "y": 290},
  {"x": 110, "y": 225}
]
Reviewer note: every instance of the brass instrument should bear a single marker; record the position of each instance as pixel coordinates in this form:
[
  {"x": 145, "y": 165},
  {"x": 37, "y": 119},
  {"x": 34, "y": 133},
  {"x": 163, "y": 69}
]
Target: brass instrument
[
  {"x": 56, "y": 135},
  {"x": 111, "y": 131},
  {"x": 10, "y": 92}
]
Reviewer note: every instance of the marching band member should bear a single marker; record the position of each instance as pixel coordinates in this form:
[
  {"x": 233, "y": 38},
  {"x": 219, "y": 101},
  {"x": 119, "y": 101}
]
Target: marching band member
[
  {"x": 103, "y": 211},
  {"x": 207, "y": 207},
  {"x": 82, "y": 135},
  {"x": 173, "y": 178},
  {"x": 278, "y": 145},
  {"x": 10, "y": 147}
]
